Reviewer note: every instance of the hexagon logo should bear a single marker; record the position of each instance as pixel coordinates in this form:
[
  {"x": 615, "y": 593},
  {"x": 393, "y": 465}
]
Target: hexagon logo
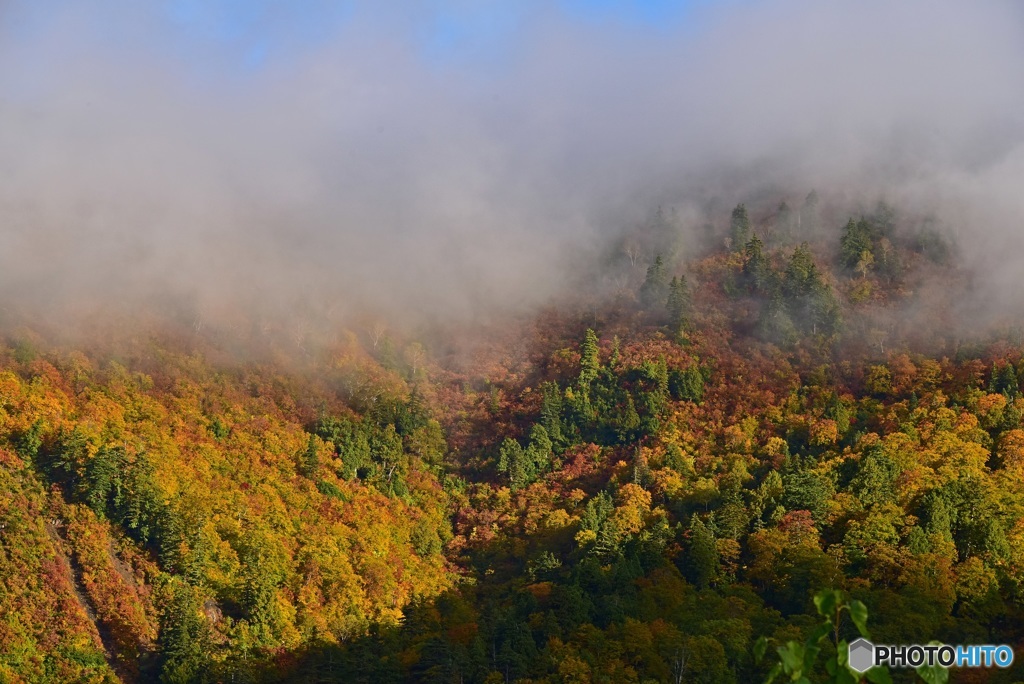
[{"x": 861, "y": 655}]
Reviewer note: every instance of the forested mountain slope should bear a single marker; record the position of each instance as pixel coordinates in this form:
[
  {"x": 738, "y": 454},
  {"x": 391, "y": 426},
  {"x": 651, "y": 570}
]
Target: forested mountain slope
[{"x": 633, "y": 485}]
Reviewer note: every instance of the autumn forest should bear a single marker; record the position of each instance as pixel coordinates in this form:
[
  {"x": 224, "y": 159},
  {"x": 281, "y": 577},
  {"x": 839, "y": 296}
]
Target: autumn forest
[{"x": 725, "y": 436}]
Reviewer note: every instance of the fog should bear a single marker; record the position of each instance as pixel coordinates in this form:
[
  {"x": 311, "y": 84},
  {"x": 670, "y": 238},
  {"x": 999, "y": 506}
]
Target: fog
[{"x": 366, "y": 161}]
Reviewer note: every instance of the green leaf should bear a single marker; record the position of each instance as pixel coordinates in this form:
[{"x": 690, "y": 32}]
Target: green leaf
[
  {"x": 846, "y": 677},
  {"x": 933, "y": 674},
  {"x": 826, "y": 602},
  {"x": 760, "y": 646},
  {"x": 792, "y": 655},
  {"x": 773, "y": 673},
  {"x": 878, "y": 675},
  {"x": 810, "y": 653},
  {"x": 859, "y": 615},
  {"x": 820, "y": 632}
]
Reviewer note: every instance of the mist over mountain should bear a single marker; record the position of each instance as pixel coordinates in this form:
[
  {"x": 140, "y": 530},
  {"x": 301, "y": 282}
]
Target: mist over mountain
[{"x": 451, "y": 160}]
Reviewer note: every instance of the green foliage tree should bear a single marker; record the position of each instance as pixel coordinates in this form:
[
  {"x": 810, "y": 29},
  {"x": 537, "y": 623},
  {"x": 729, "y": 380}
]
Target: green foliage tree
[
  {"x": 391, "y": 464},
  {"x": 857, "y": 243},
  {"x": 551, "y": 413},
  {"x": 523, "y": 465},
  {"x": 351, "y": 442},
  {"x": 185, "y": 639},
  {"x": 686, "y": 384},
  {"x": 374, "y": 451},
  {"x": 1004, "y": 381},
  {"x": 28, "y": 442},
  {"x": 806, "y": 490},
  {"x": 627, "y": 423},
  {"x": 801, "y": 277},
  {"x": 512, "y": 462},
  {"x": 309, "y": 460},
  {"x": 702, "y": 563},
  {"x": 539, "y": 450},
  {"x": 590, "y": 363},
  {"x": 265, "y": 565},
  {"x": 652, "y": 394},
  {"x": 655, "y": 287},
  {"x": 739, "y": 228},
  {"x": 103, "y": 482},
  {"x": 837, "y": 410},
  {"x": 679, "y": 304},
  {"x": 757, "y": 269},
  {"x": 875, "y": 481}
]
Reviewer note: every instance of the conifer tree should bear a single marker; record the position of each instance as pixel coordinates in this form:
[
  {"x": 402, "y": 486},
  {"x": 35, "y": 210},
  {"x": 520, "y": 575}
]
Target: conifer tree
[
  {"x": 628, "y": 423},
  {"x": 655, "y": 287},
  {"x": 678, "y": 303},
  {"x": 551, "y": 411},
  {"x": 739, "y": 228},
  {"x": 309, "y": 462},
  {"x": 512, "y": 462},
  {"x": 801, "y": 277},
  {"x": 857, "y": 243},
  {"x": 1005, "y": 381},
  {"x": 589, "y": 362},
  {"x": 539, "y": 452},
  {"x": 702, "y": 560},
  {"x": 756, "y": 268},
  {"x": 686, "y": 385},
  {"x": 185, "y": 640}
]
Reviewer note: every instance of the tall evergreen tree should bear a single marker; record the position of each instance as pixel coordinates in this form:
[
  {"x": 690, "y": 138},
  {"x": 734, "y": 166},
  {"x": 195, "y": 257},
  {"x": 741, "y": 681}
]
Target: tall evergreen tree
[
  {"x": 678, "y": 303},
  {"x": 739, "y": 228},
  {"x": 613, "y": 359},
  {"x": 857, "y": 243},
  {"x": 309, "y": 461},
  {"x": 655, "y": 287},
  {"x": 757, "y": 270},
  {"x": 523, "y": 466},
  {"x": 513, "y": 463},
  {"x": 627, "y": 423},
  {"x": 702, "y": 560},
  {"x": 589, "y": 362},
  {"x": 185, "y": 641},
  {"x": 686, "y": 385},
  {"x": 810, "y": 302},
  {"x": 1004, "y": 381},
  {"x": 801, "y": 277},
  {"x": 551, "y": 411},
  {"x": 539, "y": 451}
]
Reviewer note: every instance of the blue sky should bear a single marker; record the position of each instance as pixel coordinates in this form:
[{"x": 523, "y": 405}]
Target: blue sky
[{"x": 254, "y": 32}]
